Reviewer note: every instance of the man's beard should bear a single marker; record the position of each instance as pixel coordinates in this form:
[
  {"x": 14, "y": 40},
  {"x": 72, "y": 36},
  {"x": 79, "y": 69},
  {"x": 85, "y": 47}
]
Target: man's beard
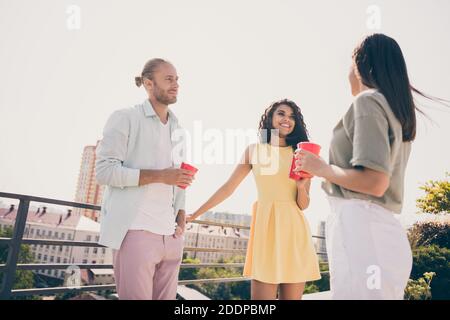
[{"x": 163, "y": 98}]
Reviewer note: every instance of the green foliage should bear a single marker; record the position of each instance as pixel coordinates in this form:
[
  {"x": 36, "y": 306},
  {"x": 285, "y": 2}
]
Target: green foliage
[
  {"x": 66, "y": 295},
  {"x": 320, "y": 285},
  {"x": 236, "y": 290},
  {"x": 429, "y": 233},
  {"x": 437, "y": 196},
  {"x": 24, "y": 278},
  {"x": 430, "y": 244},
  {"x": 311, "y": 288},
  {"x": 324, "y": 283},
  {"x": 437, "y": 260},
  {"x": 419, "y": 289},
  {"x": 189, "y": 273}
]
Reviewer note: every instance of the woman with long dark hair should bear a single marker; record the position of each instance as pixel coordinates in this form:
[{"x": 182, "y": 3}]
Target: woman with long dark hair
[
  {"x": 368, "y": 250},
  {"x": 280, "y": 253}
]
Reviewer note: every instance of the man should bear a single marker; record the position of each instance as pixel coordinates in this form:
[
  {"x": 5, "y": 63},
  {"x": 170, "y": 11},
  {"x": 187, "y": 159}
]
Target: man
[{"x": 143, "y": 214}]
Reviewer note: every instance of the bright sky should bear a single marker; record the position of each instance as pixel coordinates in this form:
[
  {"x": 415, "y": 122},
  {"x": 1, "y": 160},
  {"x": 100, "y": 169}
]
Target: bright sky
[{"x": 61, "y": 77}]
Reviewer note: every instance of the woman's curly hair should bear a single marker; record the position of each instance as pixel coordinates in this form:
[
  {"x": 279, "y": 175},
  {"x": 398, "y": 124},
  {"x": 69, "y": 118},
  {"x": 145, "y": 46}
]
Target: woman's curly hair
[{"x": 299, "y": 134}]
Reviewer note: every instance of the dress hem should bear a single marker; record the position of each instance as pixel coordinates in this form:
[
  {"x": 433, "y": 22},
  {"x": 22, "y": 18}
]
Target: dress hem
[{"x": 283, "y": 281}]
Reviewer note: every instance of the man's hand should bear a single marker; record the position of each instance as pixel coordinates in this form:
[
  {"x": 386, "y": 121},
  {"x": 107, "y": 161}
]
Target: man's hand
[
  {"x": 171, "y": 176},
  {"x": 177, "y": 177},
  {"x": 181, "y": 224},
  {"x": 178, "y": 232}
]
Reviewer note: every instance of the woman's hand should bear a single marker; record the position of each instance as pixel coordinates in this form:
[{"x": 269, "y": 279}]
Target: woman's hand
[
  {"x": 302, "y": 183},
  {"x": 311, "y": 163},
  {"x": 190, "y": 217},
  {"x": 303, "y": 186}
]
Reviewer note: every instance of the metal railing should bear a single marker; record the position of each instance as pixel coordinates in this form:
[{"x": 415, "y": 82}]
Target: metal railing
[{"x": 9, "y": 269}]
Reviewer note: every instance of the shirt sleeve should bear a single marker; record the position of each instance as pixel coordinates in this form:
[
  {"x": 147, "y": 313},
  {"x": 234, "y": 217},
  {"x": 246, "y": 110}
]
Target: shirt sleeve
[
  {"x": 179, "y": 155},
  {"x": 111, "y": 152},
  {"x": 371, "y": 146},
  {"x": 181, "y": 200}
]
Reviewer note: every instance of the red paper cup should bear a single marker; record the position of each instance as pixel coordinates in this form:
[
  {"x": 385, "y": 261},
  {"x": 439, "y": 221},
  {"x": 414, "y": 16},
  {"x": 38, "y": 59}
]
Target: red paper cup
[
  {"x": 190, "y": 168},
  {"x": 308, "y": 146}
]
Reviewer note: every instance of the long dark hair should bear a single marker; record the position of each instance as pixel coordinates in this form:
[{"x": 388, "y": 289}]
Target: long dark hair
[
  {"x": 381, "y": 65},
  {"x": 299, "y": 134}
]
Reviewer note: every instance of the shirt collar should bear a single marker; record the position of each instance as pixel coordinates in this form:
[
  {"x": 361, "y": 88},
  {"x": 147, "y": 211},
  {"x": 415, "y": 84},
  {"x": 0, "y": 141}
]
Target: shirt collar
[{"x": 150, "y": 112}]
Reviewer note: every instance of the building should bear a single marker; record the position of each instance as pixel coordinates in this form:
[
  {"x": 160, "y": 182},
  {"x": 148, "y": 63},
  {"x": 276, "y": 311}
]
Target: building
[
  {"x": 204, "y": 236},
  {"x": 45, "y": 223},
  {"x": 88, "y": 190},
  {"x": 321, "y": 245},
  {"x": 226, "y": 217},
  {"x": 97, "y": 276}
]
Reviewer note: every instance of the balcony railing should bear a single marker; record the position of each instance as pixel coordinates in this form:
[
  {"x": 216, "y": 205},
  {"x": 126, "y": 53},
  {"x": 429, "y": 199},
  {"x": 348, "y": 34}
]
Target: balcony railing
[{"x": 14, "y": 243}]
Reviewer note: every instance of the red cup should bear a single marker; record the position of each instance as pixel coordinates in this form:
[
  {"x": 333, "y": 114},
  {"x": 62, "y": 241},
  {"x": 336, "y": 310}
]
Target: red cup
[
  {"x": 190, "y": 168},
  {"x": 308, "y": 146}
]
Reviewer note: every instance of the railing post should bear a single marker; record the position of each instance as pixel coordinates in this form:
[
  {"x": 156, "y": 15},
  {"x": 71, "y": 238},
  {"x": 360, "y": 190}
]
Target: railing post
[{"x": 14, "y": 249}]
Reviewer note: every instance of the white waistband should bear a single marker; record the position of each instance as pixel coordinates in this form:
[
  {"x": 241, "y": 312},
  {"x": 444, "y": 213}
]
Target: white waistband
[{"x": 338, "y": 202}]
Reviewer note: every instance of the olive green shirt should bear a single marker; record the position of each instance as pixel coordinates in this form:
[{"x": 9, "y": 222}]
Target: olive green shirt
[{"x": 369, "y": 135}]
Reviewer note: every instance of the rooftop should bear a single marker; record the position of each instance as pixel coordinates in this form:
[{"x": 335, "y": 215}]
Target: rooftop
[
  {"x": 217, "y": 231},
  {"x": 51, "y": 218}
]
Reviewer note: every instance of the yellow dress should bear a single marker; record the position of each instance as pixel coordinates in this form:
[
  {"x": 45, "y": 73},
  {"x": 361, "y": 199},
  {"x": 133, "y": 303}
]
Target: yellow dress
[{"x": 280, "y": 247}]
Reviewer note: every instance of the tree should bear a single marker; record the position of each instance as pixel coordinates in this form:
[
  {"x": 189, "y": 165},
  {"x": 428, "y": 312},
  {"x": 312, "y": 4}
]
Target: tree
[
  {"x": 225, "y": 290},
  {"x": 437, "y": 196},
  {"x": 433, "y": 259},
  {"x": 24, "y": 278},
  {"x": 67, "y": 295},
  {"x": 420, "y": 289},
  {"x": 310, "y": 288},
  {"x": 189, "y": 273},
  {"x": 429, "y": 233},
  {"x": 430, "y": 244},
  {"x": 323, "y": 284}
]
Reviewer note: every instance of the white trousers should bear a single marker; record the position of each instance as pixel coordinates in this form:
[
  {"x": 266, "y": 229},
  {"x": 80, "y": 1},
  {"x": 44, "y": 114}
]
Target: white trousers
[{"x": 368, "y": 251}]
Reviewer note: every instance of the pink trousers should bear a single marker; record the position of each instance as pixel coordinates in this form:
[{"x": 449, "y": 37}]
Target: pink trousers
[{"x": 146, "y": 266}]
